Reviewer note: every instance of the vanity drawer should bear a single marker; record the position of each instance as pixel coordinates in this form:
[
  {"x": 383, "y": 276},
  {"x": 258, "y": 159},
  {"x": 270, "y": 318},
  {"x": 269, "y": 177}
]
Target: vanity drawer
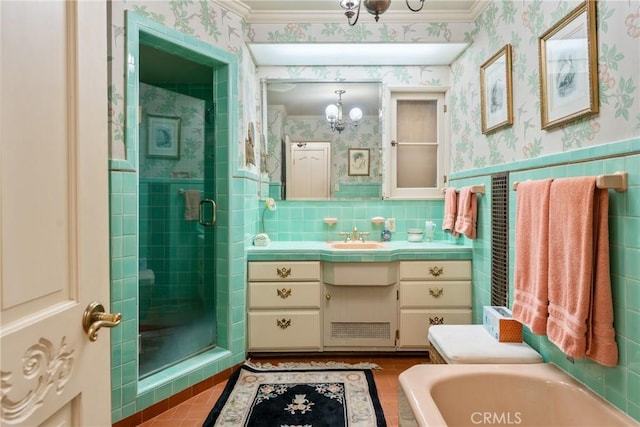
[
  {"x": 423, "y": 294},
  {"x": 284, "y": 295},
  {"x": 284, "y": 330},
  {"x": 435, "y": 270},
  {"x": 414, "y": 324},
  {"x": 285, "y": 270}
]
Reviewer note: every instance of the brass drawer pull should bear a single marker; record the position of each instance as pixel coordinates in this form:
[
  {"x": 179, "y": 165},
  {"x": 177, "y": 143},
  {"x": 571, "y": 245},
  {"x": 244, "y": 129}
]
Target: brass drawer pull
[
  {"x": 284, "y": 323},
  {"x": 436, "y": 271},
  {"x": 284, "y": 293},
  {"x": 436, "y": 292},
  {"x": 283, "y": 272},
  {"x": 436, "y": 320}
]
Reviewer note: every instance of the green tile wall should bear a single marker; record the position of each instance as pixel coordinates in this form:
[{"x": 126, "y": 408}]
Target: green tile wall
[
  {"x": 129, "y": 395},
  {"x": 303, "y": 220},
  {"x": 619, "y": 385}
]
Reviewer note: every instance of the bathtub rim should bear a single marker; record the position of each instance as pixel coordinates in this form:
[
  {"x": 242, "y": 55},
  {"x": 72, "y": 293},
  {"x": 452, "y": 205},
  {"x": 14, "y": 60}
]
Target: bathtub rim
[{"x": 417, "y": 382}]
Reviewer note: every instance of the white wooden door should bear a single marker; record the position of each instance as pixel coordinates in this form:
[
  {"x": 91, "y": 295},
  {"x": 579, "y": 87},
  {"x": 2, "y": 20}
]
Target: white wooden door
[
  {"x": 54, "y": 231},
  {"x": 309, "y": 171}
]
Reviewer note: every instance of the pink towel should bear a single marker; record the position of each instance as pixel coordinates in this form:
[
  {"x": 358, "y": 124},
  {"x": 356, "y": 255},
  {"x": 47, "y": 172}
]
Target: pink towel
[
  {"x": 191, "y": 205},
  {"x": 467, "y": 213},
  {"x": 530, "y": 299},
  {"x": 580, "y": 303},
  {"x": 450, "y": 211}
]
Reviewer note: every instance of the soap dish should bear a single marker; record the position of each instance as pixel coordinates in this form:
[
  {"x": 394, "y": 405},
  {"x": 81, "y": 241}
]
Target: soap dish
[
  {"x": 330, "y": 221},
  {"x": 377, "y": 220}
]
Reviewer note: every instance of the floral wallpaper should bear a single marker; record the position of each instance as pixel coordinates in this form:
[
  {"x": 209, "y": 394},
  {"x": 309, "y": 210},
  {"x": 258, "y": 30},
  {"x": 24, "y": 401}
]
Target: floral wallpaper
[
  {"x": 158, "y": 101},
  {"x": 518, "y": 23},
  {"x": 521, "y": 24}
]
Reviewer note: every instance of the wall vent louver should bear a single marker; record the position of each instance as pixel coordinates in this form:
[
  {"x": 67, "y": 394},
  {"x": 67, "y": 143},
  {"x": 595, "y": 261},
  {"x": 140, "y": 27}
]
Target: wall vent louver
[
  {"x": 500, "y": 239},
  {"x": 347, "y": 330}
]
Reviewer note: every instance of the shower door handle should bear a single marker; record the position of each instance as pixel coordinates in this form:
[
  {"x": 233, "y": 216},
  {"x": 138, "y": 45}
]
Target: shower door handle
[{"x": 213, "y": 212}]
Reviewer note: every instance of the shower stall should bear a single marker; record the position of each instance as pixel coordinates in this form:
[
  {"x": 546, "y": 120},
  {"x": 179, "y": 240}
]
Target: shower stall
[{"x": 176, "y": 211}]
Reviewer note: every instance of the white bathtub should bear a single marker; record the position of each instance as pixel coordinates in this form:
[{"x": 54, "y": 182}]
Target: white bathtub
[{"x": 539, "y": 395}]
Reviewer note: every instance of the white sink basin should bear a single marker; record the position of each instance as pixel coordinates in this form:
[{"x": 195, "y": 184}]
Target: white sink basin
[{"x": 357, "y": 245}]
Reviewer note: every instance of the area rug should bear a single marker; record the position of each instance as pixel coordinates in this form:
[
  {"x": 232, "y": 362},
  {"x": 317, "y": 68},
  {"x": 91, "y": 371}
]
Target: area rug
[{"x": 318, "y": 395}]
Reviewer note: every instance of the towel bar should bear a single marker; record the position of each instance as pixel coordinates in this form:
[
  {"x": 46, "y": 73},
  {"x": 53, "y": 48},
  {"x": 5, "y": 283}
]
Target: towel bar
[
  {"x": 182, "y": 191},
  {"x": 478, "y": 189},
  {"x": 615, "y": 181}
]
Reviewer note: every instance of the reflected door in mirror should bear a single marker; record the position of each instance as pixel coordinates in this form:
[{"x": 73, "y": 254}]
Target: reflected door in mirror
[{"x": 308, "y": 171}]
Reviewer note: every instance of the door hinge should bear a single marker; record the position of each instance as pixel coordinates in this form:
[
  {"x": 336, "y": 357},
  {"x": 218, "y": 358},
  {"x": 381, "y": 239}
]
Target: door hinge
[
  {"x": 444, "y": 178},
  {"x": 444, "y": 107},
  {"x": 397, "y": 295},
  {"x": 397, "y": 334}
]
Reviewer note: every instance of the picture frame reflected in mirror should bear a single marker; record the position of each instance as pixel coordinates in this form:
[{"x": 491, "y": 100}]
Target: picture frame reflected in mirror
[{"x": 359, "y": 161}]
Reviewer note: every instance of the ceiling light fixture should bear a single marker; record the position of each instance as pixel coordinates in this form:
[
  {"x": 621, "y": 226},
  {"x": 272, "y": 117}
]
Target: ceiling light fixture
[
  {"x": 334, "y": 114},
  {"x": 374, "y": 7}
]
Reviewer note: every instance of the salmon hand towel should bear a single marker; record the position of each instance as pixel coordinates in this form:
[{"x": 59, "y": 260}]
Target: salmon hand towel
[
  {"x": 467, "y": 213},
  {"x": 450, "y": 211},
  {"x": 530, "y": 299},
  {"x": 580, "y": 302},
  {"x": 191, "y": 205}
]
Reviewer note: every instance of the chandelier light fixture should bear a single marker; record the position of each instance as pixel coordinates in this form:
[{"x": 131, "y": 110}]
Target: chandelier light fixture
[
  {"x": 334, "y": 114},
  {"x": 374, "y": 7}
]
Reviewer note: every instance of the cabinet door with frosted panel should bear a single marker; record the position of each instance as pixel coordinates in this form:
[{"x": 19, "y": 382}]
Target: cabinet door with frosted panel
[{"x": 417, "y": 146}]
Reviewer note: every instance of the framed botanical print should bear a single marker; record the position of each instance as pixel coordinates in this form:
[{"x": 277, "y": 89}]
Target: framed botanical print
[
  {"x": 496, "y": 91},
  {"x": 163, "y": 137},
  {"x": 568, "y": 56}
]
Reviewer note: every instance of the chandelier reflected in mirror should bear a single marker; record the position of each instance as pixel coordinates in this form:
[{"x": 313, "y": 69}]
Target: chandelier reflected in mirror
[
  {"x": 336, "y": 119},
  {"x": 374, "y": 7}
]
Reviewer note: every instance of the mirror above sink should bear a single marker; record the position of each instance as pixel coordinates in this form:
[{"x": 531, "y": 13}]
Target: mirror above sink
[{"x": 296, "y": 115}]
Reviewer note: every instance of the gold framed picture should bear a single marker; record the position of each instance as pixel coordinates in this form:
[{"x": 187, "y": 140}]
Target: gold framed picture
[
  {"x": 496, "y": 91},
  {"x": 568, "y": 56},
  {"x": 359, "y": 161}
]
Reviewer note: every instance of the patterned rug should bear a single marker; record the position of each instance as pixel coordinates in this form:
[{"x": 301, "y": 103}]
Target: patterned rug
[{"x": 320, "y": 395}]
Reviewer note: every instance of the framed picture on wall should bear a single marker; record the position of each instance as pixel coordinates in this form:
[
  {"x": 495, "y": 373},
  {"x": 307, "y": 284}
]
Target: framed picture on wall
[
  {"x": 496, "y": 91},
  {"x": 163, "y": 137},
  {"x": 569, "y": 68},
  {"x": 359, "y": 161}
]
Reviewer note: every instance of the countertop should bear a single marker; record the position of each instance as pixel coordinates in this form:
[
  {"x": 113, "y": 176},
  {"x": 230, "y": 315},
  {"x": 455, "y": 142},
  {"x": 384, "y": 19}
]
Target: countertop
[{"x": 392, "y": 251}]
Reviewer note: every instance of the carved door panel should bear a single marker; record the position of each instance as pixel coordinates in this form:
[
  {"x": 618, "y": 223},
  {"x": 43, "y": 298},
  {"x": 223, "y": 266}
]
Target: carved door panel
[{"x": 54, "y": 216}]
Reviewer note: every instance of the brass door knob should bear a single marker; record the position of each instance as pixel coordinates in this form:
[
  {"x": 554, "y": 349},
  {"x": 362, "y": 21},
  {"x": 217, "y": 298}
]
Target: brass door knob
[{"x": 94, "y": 318}]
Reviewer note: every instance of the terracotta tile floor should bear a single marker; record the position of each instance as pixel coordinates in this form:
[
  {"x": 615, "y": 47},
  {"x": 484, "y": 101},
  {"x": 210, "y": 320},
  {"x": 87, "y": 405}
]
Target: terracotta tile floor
[{"x": 194, "y": 411}]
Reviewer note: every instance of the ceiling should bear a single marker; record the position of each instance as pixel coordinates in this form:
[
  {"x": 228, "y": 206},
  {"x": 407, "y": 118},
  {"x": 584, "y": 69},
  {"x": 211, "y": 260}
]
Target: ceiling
[{"x": 285, "y": 11}]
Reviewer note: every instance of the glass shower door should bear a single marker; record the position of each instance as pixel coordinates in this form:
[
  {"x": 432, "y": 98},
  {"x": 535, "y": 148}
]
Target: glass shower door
[{"x": 176, "y": 298}]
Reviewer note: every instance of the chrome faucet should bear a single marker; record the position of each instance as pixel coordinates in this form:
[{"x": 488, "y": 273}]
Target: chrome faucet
[{"x": 354, "y": 235}]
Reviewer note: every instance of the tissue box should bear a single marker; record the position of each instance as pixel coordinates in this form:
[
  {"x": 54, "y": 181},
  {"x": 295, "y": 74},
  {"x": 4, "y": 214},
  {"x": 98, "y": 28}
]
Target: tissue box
[{"x": 500, "y": 324}]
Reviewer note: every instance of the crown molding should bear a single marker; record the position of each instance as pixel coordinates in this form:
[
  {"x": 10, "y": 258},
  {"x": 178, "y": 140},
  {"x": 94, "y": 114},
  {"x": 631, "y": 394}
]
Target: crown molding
[{"x": 403, "y": 16}]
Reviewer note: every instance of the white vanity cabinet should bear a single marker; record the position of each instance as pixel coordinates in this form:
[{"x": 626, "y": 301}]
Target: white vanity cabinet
[
  {"x": 360, "y": 307},
  {"x": 284, "y": 306},
  {"x": 432, "y": 293}
]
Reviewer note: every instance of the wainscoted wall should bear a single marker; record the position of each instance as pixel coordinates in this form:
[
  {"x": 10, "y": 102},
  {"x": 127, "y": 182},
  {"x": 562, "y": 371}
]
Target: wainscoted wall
[{"x": 619, "y": 385}]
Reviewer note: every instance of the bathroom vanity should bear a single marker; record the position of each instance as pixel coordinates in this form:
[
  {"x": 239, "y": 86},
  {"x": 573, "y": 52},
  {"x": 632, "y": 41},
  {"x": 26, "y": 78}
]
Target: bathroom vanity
[{"x": 308, "y": 296}]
